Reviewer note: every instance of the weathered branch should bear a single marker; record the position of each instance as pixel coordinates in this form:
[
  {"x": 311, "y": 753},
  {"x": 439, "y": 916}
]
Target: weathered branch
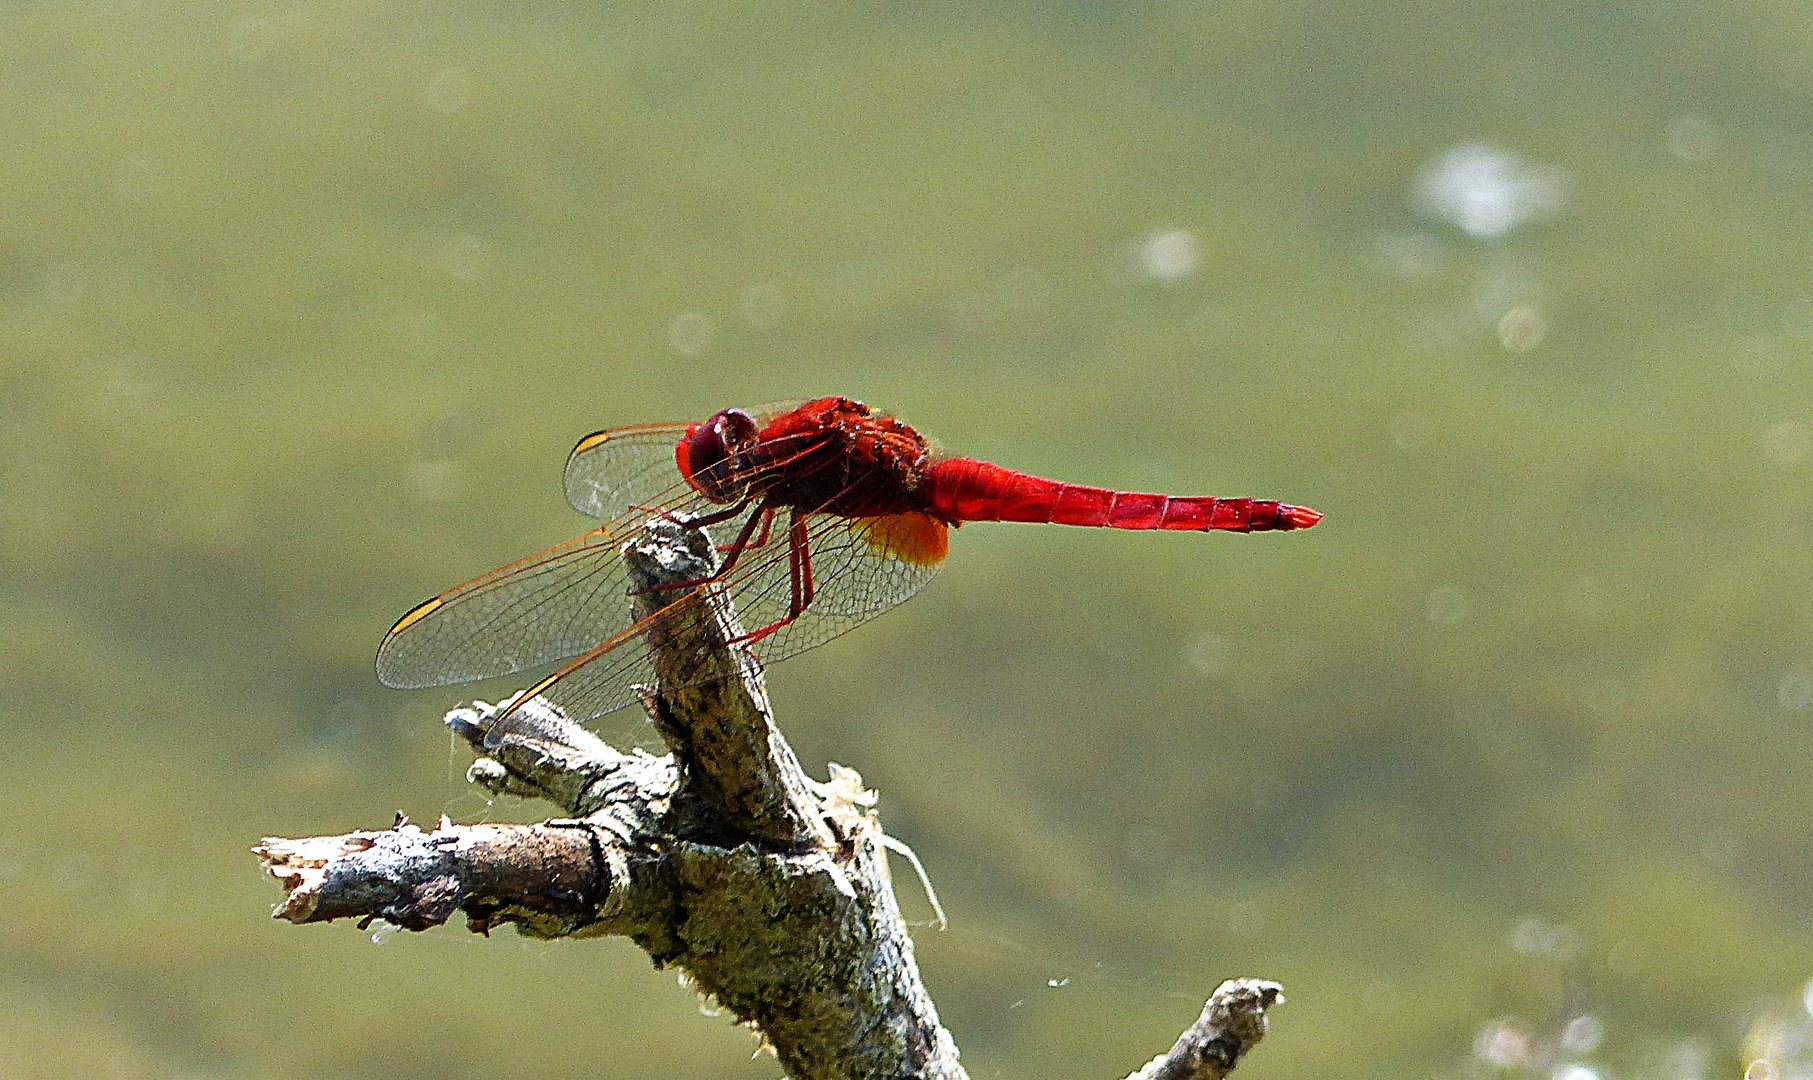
[
  {"x": 1231, "y": 1023},
  {"x": 546, "y": 878},
  {"x": 769, "y": 890},
  {"x": 713, "y": 707}
]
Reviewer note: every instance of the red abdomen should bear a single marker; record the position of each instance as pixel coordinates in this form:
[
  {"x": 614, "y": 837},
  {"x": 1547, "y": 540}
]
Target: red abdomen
[{"x": 964, "y": 489}]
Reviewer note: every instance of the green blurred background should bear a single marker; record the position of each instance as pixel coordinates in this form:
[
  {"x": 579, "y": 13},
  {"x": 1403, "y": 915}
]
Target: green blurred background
[{"x": 1502, "y": 770}]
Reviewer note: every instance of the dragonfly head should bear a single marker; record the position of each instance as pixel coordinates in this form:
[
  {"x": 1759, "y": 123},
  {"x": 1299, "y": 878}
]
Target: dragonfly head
[{"x": 710, "y": 455}]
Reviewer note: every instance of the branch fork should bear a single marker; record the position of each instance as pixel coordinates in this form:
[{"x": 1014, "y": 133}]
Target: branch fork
[{"x": 769, "y": 890}]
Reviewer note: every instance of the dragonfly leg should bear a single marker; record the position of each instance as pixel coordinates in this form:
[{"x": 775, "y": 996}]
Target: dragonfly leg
[
  {"x": 761, "y": 538},
  {"x": 762, "y": 515},
  {"x": 808, "y": 588},
  {"x": 693, "y": 523},
  {"x": 799, "y": 580}
]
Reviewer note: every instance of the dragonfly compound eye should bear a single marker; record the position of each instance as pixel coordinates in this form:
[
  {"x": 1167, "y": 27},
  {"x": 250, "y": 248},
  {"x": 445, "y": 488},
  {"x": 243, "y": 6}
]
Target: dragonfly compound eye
[{"x": 710, "y": 455}]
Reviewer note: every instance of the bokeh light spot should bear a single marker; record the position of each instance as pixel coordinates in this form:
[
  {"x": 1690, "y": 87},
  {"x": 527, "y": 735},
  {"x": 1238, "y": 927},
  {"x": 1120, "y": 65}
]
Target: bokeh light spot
[
  {"x": 1447, "y": 606},
  {"x": 1689, "y": 1060},
  {"x": 1787, "y": 443},
  {"x": 1504, "y": 1044},
  {"x": 1691, "y": 138},
  {"x": 450, "y": 90},
  {"x": 1795, "y": 692},
  {"x": 1536, "y": 937},
  {"x": 1171, "y": 256},
  {"x": 1410, "y": 430},
  {"x": 464, "y": 257},
  {"x": 1582, "y": 1035},
  {"x": 1209, "y": 654},
  {"x": 1486, "y": 192},
  {"x": 764, "y": 306},
  {"x": 1521, "y": 329},
  {"x": 690, "y": 333},
  {"x": 434, "y": 480}
]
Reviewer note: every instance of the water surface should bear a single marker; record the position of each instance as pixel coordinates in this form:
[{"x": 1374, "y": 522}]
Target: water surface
[{"x": 1501, "y": 769}]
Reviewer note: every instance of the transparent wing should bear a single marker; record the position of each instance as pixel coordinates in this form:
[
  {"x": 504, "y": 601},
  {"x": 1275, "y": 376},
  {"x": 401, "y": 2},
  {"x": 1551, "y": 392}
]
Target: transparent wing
[
  {"x": 572, "y": 603},
  {"x": 860, "y": 568},
  {"x": 611, "y": 471},
  {"x": 546, "y": 607}
]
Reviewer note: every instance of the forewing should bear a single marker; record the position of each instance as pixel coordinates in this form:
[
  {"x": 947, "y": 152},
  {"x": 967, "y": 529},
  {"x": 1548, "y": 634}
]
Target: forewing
[
  {"x": 861, "y": 568},
  {"x": 543, "y": 608},
  {"x": 599, "y": 681},
  {"x": 611, "y": 471}
]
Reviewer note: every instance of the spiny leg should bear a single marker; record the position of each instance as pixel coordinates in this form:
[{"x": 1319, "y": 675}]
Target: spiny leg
[
  {"x": 761, "y": 538},
  {"x": 802, "y": 543},
  {"x": 799, "y": 580}
]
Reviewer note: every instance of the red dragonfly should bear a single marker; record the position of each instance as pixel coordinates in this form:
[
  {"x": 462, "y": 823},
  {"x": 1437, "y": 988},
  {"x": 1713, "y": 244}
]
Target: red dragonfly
[{"x": 841, "y": 513}]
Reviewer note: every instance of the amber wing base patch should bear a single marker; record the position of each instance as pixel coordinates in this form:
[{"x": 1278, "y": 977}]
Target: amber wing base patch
[{"x": 911, "y": 537}]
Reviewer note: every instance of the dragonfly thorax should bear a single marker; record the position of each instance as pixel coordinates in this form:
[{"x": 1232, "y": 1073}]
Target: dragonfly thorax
[{"x": 838, "y": 456}]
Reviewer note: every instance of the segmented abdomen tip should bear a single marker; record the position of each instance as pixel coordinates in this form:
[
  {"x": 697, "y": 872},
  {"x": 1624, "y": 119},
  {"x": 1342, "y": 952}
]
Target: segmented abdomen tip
[{"x": 1300, "y": 517}]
